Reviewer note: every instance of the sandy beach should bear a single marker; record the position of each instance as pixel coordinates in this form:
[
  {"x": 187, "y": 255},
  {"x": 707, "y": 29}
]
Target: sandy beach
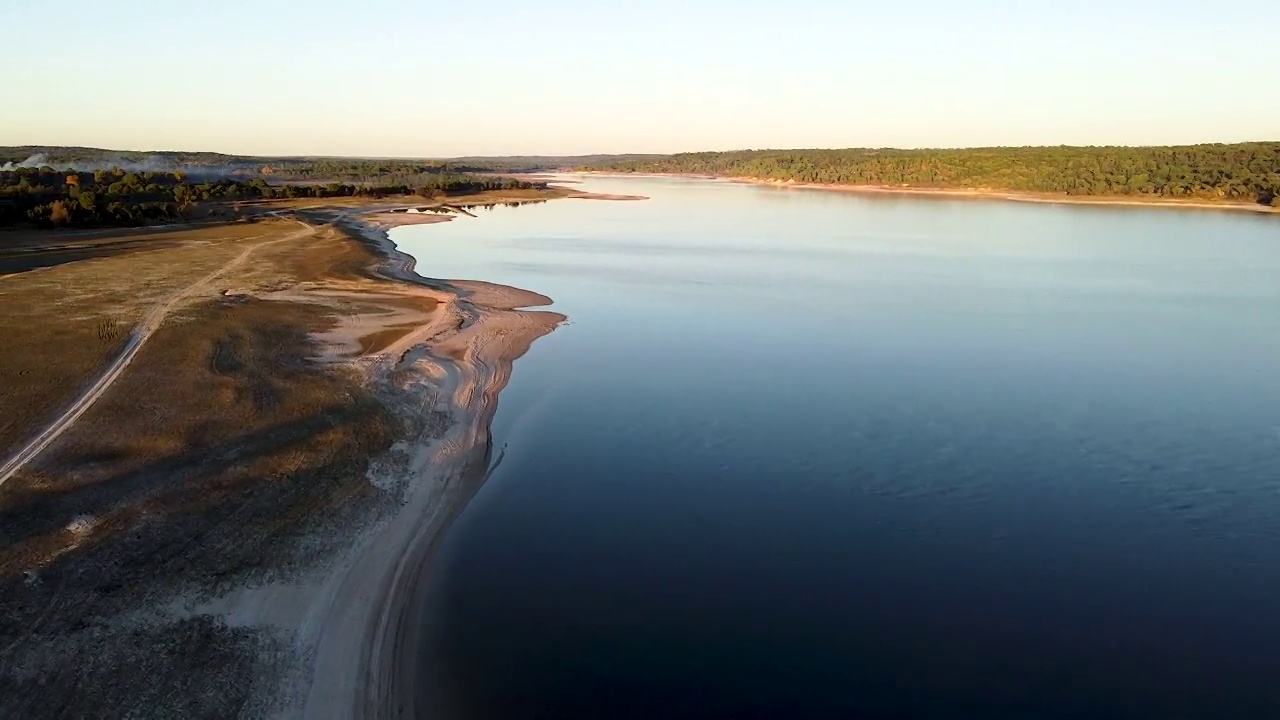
[
  {"x": 355, "y": 624},
  {"x": 361, "y": 626},
  {"x": 351, "y": 621}
]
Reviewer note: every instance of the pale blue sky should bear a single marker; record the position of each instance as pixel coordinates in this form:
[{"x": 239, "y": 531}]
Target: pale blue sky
[{"x": 400, "y": 78}]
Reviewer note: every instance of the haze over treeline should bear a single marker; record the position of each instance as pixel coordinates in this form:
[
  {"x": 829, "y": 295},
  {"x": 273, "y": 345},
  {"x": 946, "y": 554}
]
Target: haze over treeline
[
  {"x": 63, "y": 191},
  {"x": 213, "y": 164}
]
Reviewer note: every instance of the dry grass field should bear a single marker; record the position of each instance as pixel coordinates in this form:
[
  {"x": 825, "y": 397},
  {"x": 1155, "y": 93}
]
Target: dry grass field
[
  {"x": 63, "y": 322},
  {"x": 219, "y": 456}
]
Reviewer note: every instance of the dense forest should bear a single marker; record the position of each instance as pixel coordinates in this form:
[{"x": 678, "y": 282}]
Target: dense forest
[
  {"x": 366, "y": 170},
  {"x": 47, "y": 197},
  {"x": 1246, "y": 172}
]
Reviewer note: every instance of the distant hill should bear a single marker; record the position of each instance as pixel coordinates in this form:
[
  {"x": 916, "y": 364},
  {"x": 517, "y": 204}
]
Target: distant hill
[{"x": 89, "y": 159}]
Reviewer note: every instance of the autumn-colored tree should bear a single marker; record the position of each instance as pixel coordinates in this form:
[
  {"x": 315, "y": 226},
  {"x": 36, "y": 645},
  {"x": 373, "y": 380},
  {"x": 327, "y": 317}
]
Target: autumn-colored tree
[{"x": 58, "y": 213}]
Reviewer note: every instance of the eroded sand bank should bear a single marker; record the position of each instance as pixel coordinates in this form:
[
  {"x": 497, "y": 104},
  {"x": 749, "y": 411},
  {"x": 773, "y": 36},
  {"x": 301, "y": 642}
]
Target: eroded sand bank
[
  {"x": 457, "y": 364},
  {"x": 352, "y": 623}
]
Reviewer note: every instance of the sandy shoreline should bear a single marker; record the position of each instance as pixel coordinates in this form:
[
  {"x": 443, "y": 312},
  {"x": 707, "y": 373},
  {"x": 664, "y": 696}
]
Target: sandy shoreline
[
  {"x": 365, "y": 661},
  {"x": 353, "y": 624},
  {"x": 251, "y": 512},
  {"x": 356, "y": 627},
  {"x": 976, "y": 193}
]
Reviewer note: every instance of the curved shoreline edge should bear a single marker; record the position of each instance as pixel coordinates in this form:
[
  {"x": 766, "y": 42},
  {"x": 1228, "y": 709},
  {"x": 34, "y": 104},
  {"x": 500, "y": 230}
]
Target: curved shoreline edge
[
  {"x": 364, "y": 633},
  {"x": 339, "y": 637}
]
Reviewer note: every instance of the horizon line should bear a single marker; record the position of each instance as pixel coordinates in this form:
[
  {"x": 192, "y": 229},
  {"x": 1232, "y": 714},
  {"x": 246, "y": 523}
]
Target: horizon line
[{"x": 38, "y": 147}]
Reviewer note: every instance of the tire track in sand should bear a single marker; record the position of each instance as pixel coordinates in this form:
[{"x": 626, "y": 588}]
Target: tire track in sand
[{"x": 137, "y": 337}]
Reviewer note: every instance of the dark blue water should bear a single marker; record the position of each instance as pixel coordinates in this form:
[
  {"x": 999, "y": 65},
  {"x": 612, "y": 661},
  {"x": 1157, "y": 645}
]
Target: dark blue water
[{"x": 806, "y": 454}]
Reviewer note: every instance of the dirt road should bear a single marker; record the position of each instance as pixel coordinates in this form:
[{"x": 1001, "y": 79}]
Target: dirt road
[{"x": 99, "y": 386}]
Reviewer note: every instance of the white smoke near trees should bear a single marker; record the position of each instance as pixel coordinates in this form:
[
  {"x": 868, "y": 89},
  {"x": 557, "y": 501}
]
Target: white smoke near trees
[
  {"x": 35, "y": 161},
  {"x": 152, "y": 163}
]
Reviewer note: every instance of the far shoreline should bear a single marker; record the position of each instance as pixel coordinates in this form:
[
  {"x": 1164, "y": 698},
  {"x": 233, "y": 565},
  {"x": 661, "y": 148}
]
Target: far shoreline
[{"x": 970, "y": 193}]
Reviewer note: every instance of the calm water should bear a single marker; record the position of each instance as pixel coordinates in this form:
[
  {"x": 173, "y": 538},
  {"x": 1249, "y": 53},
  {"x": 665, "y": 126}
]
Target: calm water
[{"x": 805, "y": 454}]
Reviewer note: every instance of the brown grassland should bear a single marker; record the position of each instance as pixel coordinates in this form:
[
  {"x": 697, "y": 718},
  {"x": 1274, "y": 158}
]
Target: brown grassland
[{"x": 223, "y": 453}]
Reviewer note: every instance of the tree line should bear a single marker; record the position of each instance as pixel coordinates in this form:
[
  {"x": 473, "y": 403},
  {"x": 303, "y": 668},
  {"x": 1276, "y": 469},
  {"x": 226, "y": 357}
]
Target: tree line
[
  {"x": 49, "y": 198},
  {"x": 365, "y": 170},
  {"x": 206, "y": 165},
  {"x": 1247, "y": 172}
]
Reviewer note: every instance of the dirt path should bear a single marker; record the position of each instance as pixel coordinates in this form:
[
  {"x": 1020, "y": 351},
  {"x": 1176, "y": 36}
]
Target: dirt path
[{"x": 96, "y": 389}]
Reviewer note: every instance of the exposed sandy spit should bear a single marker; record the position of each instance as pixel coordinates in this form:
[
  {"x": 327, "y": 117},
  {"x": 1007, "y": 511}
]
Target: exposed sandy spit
[
  {"x": 366, "y": 664},
  {"x": 353, "y": 623},
  {"x": 604, "y": 196}
]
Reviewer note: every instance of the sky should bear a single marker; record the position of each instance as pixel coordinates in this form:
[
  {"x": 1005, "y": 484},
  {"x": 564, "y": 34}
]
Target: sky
[{"x": 396, "y": 78}]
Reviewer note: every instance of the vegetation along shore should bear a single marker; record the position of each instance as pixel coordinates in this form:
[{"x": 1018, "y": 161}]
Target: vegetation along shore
[{"x": 1218, "y": 175}]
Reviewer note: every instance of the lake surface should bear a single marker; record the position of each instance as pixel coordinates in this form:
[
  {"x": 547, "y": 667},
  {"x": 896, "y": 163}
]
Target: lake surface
[{"x": 812, "y": 454}]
